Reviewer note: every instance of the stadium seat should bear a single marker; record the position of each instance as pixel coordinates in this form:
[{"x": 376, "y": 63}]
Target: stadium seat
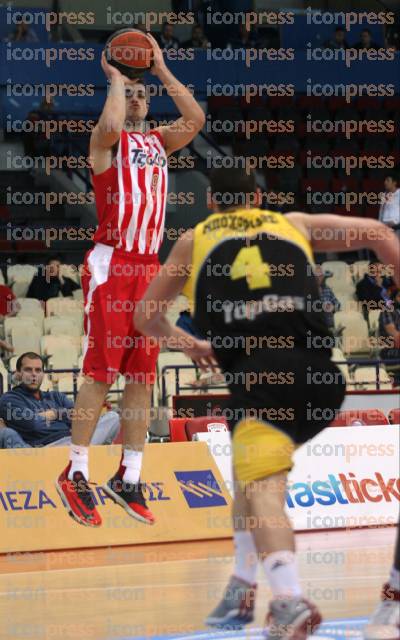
[
  {"x": 359, "y": 417},
  {"x": 204, "y": 424},
  {"x": 365, "y": 378},
  {"x": 177, "y": 431},
  {"x": 61, "y": 351},
  {"x": 23, "y": 340},
  {"x": 355, "y": 334},
  {"x": 57, "y": 325},
  {"x": 394, "y": 416},
  {"x": 19, "y": 277},
  {"x": 373, "y": 320},
  {"x": 30, "y": 307},
  {"x": 25, "y": 322},
  {"x": 174, "y": 359},
  {"x": 63, "y": 306}
]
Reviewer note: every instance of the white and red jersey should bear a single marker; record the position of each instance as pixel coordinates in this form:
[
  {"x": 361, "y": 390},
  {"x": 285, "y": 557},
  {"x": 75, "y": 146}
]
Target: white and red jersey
[{"x": 131, "y": 195}]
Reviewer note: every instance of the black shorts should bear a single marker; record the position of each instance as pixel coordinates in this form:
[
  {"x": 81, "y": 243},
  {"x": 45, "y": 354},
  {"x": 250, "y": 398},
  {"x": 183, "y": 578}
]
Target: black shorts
[{"x": 297, "y": 392}]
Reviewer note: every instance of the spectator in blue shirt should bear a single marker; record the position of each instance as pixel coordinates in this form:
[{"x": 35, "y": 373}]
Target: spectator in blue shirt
[{"x": 44, "y": 418}]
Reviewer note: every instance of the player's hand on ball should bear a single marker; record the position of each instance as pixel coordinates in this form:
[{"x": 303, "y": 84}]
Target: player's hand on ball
[
  {"x": 158, "y": 58},
  {"x": 110, "y": 71},
  {"x": 202, "y": 354}
]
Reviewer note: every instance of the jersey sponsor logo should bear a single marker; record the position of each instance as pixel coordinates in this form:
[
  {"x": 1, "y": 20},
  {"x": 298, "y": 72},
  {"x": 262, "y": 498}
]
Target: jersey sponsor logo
[
  {"x": 200, "y": 489},
  {"x": 144, "y": 158},
  {"x": 343, "y": 488},
  {"x": 251, "y": 309}
]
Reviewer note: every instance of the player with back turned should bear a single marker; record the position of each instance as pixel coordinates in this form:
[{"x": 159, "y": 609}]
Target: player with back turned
[
  {"x": 130, "y": 181},
  {"x": 265, "y": 292}
]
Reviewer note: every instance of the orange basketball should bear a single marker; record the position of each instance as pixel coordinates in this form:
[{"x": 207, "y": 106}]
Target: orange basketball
[{"x": 130, "y": 52}]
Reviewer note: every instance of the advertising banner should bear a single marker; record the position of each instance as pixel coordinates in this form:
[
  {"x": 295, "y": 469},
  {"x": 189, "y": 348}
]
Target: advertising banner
[{"x": 184, "y": 490}]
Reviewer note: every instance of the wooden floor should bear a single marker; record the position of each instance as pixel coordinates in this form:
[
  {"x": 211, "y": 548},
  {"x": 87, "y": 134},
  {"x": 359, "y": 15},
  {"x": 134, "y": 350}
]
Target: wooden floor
[{"x": 157, "y": 590}]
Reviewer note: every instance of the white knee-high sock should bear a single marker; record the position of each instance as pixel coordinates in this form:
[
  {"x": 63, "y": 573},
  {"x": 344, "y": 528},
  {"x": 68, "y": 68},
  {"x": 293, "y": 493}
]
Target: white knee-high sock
[
  {"x": 281, "y": 571},
  {"x": 246, "y": 557},
  {"x": 79, "y": 457},
  {"x": 132, "y": 461}
]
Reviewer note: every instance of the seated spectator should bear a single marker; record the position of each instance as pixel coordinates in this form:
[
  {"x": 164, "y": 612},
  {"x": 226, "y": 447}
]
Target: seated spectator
[
  {"x": 389, "y": 212},
  {"x": 166, "y": 38},
  {"x": 330, "y": 303},
  {"x": 22, "y": 32},
  {"x": 198, "y": 39},
  {"x": 246, "y": 39},
  {"x": 366, "y": 41},
  {"x": 338, "y": 40},
  {"x": 389, "y": 330},
  {"x": 51, "y": 283},
  {"x": 10, "y": 439},
  {"x": 374, "y": 287},
  {"x": 44, "y": 418}
]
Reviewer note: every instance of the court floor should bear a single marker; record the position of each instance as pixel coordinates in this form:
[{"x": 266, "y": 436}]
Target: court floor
[{"x": 165, "y": 591}]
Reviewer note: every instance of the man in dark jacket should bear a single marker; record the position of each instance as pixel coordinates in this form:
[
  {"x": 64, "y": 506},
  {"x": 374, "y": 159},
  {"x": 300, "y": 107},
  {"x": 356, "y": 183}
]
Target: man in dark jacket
[
  {"x": 51, "y": 283},
  {"x": 375, "y": 288},
  {"x": 44, "y": 418}
]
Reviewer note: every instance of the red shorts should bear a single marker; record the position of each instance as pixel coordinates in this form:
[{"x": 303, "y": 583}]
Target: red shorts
[{"x": 113, "y": 281}]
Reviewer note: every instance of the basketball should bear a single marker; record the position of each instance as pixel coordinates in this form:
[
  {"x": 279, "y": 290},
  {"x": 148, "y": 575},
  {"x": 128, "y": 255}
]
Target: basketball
[{"x": 130, "y": 52}]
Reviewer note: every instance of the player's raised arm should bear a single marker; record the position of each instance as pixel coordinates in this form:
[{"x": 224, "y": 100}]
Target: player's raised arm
[
  {"x": 329, "y": 232},
  {"x": 111, "y": 122},
  {"x": 150, "y": 314},
  {"x": 182, "y": 131}
]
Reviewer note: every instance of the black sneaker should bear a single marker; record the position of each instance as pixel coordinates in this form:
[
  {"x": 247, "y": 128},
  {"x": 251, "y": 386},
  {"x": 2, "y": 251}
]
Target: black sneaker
[{"x": 130, "y": 497}]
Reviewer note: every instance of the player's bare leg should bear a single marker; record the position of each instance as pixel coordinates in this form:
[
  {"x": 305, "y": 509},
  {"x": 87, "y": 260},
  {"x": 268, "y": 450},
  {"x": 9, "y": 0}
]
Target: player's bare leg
[
  {"x": 125, "y": 486},
  {"x": 72, "y": 484},
  {"x": 290, "y": 615}
]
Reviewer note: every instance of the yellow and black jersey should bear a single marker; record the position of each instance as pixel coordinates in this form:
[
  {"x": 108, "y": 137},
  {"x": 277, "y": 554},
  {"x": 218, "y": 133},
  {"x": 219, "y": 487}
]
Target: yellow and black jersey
[{"x": 252, "y": 275}]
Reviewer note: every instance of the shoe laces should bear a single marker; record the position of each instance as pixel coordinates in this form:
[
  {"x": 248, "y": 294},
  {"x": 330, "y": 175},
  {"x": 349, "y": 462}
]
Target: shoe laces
[{"x": 83, "y": 490}]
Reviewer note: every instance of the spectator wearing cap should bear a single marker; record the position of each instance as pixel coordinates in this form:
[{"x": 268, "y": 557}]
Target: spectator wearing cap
[{"x": 43, "y": 418}]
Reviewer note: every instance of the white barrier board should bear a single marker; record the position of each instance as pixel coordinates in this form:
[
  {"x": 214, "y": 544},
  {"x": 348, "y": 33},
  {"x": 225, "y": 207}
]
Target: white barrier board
[{"x": 345, "y": 477}]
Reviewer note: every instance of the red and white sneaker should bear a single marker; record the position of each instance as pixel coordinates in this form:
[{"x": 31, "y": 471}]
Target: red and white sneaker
[
  {"x": 129, "y": 496},
  {"x": 77, "y": 497},
  {"x": 292, "y": 619}
]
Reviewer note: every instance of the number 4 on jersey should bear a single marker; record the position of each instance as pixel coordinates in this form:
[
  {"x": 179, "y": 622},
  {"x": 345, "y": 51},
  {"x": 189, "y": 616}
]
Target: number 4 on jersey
[{"x": 249, "y": 264}]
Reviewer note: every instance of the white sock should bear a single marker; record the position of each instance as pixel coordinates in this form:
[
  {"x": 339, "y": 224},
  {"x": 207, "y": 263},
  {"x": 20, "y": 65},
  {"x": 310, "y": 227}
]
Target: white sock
[
  {"x": 246, "y": 557},
  {"x": 132, "y": 461},
  {"x": 394, "y": 579},
  {"x": 79, "y": 457},
  {"x": 281, "y": 571}
]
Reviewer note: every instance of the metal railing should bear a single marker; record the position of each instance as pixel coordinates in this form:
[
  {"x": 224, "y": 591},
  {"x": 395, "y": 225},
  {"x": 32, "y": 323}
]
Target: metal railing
[{"x": 351, "y": 363}]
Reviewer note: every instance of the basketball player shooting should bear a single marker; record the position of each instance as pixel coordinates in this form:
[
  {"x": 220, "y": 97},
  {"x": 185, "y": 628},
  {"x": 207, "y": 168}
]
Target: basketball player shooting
[
  {"x": 254, "y": 300},
  {"x": 130, "y": 181}
]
